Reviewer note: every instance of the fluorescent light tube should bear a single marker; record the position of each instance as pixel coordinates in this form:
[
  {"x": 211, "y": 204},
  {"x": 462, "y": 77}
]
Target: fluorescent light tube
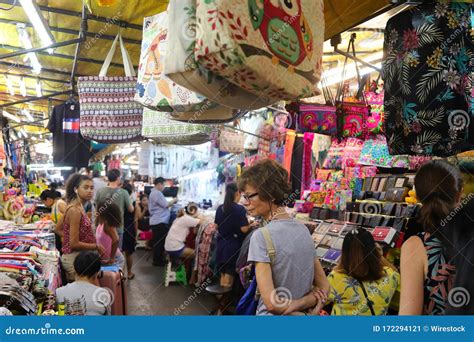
[
  {"x": 39, "y": 91},
  {"x": 10, "y": 88},
  {"x": 37, "y": 20},
  {"x": 10, "y": 116},
  {"x": 22, "y": 86},
  {"x": 26, "y": 112}
]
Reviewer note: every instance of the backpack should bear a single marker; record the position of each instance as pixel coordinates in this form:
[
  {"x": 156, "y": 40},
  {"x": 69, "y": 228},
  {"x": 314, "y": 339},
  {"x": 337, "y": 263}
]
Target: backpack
[{"x": 248, "y": 304}]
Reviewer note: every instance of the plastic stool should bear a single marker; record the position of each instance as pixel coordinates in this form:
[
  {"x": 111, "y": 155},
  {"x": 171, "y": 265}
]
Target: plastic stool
[{"x": 178, "y": 275}]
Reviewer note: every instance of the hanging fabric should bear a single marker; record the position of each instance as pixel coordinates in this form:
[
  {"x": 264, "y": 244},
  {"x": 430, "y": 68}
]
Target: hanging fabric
[
  {"x": 289, "y": 143},
  {"x": 108, "y": 112},
  {"x": 427, "y": 72},
  {"x": 307, "y": 159},
  {"x": 181, "y": 67},
  {"x": 271, "y": 49}
]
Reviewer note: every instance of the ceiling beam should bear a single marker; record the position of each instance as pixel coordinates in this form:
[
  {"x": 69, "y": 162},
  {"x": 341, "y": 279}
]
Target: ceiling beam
[
  {"x": 35, "y": 77},
  {"x": 39, "y": 50},
  {"x": 110, "y": 21},
  {"x": 31, "y": 99},
  {"x": 12, "y": 65},
  {"x": 63, "y": 56},
  {"x": 73, "y": 32}
]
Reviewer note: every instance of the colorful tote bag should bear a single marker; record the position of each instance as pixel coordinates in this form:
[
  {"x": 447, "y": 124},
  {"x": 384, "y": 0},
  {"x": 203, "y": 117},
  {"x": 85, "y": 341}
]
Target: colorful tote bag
[
  {"x": 317, "y": 118},
  {"x": 153, "y": 89},
  {"x": 270, "y": 48},
  {"x": 182, "y": 68},
  {"x": 352, "y": 151},
  {"x": 335, "y": 153},
  {"x": 427, "y": 72},
  {"x": 375, "y": 118},
  {"x": 107, "y": 109},
  {"x": 159, "y": 127}
]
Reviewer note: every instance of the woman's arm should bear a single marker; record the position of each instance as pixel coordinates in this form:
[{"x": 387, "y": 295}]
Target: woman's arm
[
  {"x": 318, "y": 295},
  {"x": 112, "y": 232},
  {"x": 59, "y": 229},
  {"x": 412, "y": 265},
  {"x": 62, "y": 207},
  {"x": 74, "y": 219},
  {"x": 273, "y": 303}
]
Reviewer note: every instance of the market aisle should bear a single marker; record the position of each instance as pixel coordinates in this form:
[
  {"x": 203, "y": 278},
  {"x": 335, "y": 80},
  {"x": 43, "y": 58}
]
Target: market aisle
[{"x": 147, "y": 294}]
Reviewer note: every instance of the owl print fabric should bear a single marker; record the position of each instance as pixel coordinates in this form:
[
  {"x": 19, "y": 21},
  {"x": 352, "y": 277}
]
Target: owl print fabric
[
  {"x": 271, "y": 48},
  {"x": 427, "y": 72}
]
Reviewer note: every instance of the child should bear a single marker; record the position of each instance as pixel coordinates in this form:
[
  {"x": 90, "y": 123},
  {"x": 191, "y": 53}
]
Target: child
[
  {"x": 174, "y": 243},
  {"x": 107, "y": 221}
]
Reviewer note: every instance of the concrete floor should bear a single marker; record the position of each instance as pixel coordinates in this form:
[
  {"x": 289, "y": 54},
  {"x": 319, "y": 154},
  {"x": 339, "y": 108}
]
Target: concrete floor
[{"x": 147, "y": 295}]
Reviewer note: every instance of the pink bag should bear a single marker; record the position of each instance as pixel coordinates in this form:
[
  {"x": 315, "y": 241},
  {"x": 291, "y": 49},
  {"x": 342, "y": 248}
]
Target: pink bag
[
  {"x": 335, "y": 153},
  {"x": 375, "y": 118},
  {"x": 351, "y": 154}
]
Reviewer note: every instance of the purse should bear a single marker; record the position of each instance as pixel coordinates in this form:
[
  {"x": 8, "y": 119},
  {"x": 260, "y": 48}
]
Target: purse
[
  {"x": 231, "y": 141},
  {"x": 352, "y": 116},
  {"x": 335, "y": 153},
  {"x": 376, "y": 113},
  {"x": 319, "y": 118},
  {"x": 153, "y": 89},
  {"x": 159, "y": 127},
  {"x": 108, "y": 113},
  {"x": 181, "y": 67},
  {"x": 253, "y": 44}
]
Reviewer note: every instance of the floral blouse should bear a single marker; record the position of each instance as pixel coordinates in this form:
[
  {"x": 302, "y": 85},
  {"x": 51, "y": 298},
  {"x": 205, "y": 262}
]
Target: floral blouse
[
  {"x": 348, "y": 298},
  {"x": 427, "y": 80}
]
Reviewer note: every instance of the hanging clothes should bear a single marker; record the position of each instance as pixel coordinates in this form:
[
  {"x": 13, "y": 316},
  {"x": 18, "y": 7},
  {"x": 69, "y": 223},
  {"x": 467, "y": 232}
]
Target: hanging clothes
[
  {"x": 203, "y": 248},
  {"x": 69, "y": 147},
  {"x": 307, "y": 161},
  {"x": 289, "y": 143},
  {"x": 296, "y": 174}
]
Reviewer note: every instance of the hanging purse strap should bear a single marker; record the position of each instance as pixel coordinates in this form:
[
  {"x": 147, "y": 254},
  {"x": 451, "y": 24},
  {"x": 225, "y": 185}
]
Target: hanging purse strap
[
  {"x": 127, "y": 61},
  {"x": 326, "y": 91},
  {"x": 369, "y": 302}
]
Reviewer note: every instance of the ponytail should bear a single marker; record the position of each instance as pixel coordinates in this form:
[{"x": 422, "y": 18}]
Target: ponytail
[{"x": 230, "y": 191}]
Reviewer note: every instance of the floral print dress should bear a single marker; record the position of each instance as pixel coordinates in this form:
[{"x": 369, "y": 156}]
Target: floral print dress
[{"x": 427, "y": 72}]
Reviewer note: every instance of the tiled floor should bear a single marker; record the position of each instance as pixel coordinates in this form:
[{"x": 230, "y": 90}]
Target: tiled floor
[{"x": 147, "y": 295}]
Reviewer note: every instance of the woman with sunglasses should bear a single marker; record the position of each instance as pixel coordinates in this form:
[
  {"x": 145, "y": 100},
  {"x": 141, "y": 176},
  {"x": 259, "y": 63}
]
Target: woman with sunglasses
[{"x": 290, "y": 278}]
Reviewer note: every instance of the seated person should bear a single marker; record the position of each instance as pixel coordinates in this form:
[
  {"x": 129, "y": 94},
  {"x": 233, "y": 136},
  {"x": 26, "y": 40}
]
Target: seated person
[
  {"x": 95, "y": 300},
  {"x": 107, "y": 221},
  {"x": 364, "y": 282},
  {"x": 186, "y": 219}
]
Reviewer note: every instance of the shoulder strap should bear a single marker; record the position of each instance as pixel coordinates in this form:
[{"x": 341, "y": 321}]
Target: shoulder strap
[
  {"x": 269, "y": 242},
  {"x": 369, "y": 302}
]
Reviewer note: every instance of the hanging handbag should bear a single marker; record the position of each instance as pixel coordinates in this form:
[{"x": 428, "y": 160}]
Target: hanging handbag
[
  {"x": 376, "y": 114},
  {"x": 427, "y": 71},
  {"x": 352, "y": 116},
  {"x": 231, "y": 141},
  {"x": 108, "y": 113},
  {"x": 335, "y": 153},
  {"x": 159, "y": 127},
  {"x": 182, "y": 68},
  {"x": 318, "y": 118},
  {"x": 153, "y": 89},
  {"x": 271, "y": 50}
]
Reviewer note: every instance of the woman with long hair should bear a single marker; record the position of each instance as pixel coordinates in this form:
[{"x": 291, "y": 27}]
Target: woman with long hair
[
  {"x": 426, "y": 269},
  {"x": 78, "y": 233},
  {"x": 290, "y": 278},
  {"x": 364, "y": 282},
  {"x": 232, "y": 225}
]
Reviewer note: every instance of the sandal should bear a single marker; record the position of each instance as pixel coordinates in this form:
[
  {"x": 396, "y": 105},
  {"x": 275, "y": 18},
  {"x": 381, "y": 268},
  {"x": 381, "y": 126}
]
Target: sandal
[{"x": 130, "y": 277}]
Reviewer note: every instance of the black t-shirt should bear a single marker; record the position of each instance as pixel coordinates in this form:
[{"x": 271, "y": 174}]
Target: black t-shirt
[{"x": 69, "y": 147}]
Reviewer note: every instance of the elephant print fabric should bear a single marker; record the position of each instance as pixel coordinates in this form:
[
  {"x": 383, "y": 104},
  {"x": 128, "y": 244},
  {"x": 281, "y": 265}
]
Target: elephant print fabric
[
  {"x": 271, "y": 48},
  {"x": 427, "y": 72}
]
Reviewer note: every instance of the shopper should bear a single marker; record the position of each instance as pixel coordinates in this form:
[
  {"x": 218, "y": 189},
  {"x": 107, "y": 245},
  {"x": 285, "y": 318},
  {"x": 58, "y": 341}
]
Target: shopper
[
  {"x": 426, "y": 270},
  {"x": 159, "y": 220},
  {"x": 186, "y": 219},
  {"x": 97, "y": 300},
  {"x": 142, "y": 213},
  {"x": 462, "y": 237},
  {"x": 107, "y": 221},
  {"x": 114, "y": 193},
  {"x": 363, "y": 283},
  {"x": 130, "y": 232},
  {"x": 99, "y": 182},
  {"x": 232, "y": 223},
  {"x": 52, "y": 199},
  {"x": 295, "y": 280},
  {"x": 78, "y": 233}
]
